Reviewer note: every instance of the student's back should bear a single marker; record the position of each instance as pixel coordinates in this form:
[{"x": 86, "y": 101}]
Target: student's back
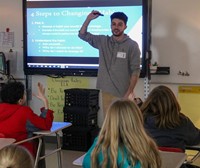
[
  {"x": 165, "y": 122},
  {"x": 19, "y": 121},
  {"x": 122, "y": 141}
]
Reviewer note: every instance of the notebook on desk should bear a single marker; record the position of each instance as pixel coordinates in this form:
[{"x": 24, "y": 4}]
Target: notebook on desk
[{"x": 79, "y": 161}]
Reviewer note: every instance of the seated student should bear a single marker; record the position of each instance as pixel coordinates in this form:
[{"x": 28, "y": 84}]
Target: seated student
[
  {"x": 14, "y": 156},
  {"x": 122, "y": 141},
  {"x": 17, "y": 120},
  {"x": 164, "y": 121}
]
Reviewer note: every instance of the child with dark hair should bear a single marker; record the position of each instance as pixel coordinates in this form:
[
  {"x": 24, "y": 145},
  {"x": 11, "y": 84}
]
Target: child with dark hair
[
  {"x": 119, "y": 15},
  {"x": 12, "y": 92},
  {"x": 165, "y": 123},
  {"x": 17, "y": 120}
]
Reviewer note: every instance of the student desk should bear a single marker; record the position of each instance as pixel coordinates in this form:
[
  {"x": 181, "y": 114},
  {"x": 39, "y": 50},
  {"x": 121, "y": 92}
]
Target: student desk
[
  {"x": 6, "y": 141},
  {"x": 55, "y": 129},
  {"x": 194, "y": 148},
  {"x": 169, "y": 159}
]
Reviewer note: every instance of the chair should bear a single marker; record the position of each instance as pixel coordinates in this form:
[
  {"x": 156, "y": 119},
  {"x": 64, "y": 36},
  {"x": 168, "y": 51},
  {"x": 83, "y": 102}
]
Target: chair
[
  {"x": 187, "y": 161},
  {"x": 170, "y": 149},
  {"x": 5, "y": 141},
  {"x": 172, "y": 159}
]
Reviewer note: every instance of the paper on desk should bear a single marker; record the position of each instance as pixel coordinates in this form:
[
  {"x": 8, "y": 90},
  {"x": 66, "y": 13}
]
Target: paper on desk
[
  {"x": 189, "y": 99},
  {"x": 79, "y": 161}
]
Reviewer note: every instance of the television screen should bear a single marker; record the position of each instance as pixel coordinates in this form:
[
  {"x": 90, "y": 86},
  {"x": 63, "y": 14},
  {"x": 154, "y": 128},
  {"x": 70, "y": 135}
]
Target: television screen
[{"x": 51, "y": 42}]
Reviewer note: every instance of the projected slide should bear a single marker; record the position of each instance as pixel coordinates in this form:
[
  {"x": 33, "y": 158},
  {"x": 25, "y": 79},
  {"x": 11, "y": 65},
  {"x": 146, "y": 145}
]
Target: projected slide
[{"x": 54, "y": 31}]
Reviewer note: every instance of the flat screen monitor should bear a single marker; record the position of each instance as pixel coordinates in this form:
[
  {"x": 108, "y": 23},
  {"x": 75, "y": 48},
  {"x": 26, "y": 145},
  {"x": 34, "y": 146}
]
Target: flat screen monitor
[{"x": 51, "y": 42}]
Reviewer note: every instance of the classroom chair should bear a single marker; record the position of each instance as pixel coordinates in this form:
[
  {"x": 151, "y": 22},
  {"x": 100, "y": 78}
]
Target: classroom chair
[{"x": 188, "y": 161}]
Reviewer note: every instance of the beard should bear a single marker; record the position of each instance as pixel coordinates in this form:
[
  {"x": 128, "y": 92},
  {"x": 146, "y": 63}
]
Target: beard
[{"x": 117, "y": 32}]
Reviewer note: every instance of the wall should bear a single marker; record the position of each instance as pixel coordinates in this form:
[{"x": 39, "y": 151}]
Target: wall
[
  {"x": 175, "y": 39},
  {"x": 11, "y": 17}
]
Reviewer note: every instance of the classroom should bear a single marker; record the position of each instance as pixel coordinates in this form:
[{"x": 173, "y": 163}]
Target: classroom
[{"x": 173, "y": 32}]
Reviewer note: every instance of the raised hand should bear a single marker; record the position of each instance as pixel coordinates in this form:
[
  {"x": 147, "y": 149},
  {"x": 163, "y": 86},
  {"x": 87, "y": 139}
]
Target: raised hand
[{"x": 41, "y": 94}]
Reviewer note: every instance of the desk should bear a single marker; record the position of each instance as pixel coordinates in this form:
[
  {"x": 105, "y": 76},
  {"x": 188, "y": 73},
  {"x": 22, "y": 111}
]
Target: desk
[
  {"x": 55, "y": 129},
  {"x": 169, "y": 159},
  {"x": 6, "y": 141},
  {"x": 194, "y": 148}
]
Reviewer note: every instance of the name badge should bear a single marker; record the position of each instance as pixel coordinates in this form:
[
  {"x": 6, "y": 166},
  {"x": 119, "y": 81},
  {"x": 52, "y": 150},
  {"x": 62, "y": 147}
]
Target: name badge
[{"x": 121, "y": 55}]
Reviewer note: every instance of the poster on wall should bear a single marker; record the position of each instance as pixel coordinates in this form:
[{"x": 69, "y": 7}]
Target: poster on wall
[
  {"x": 7, "y": 40},
  {"x": 56, "y": 94},
  {"x": 188, "y": 97}
]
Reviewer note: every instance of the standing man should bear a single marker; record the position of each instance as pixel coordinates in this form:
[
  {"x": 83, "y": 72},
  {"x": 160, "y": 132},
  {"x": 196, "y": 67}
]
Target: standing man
[{"x": 119, "y": 58}]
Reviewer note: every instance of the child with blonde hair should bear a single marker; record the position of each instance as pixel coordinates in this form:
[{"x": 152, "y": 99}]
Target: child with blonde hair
[
  {"x": 15, "y": 156},
  {"x": 122, "y": 141}
]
